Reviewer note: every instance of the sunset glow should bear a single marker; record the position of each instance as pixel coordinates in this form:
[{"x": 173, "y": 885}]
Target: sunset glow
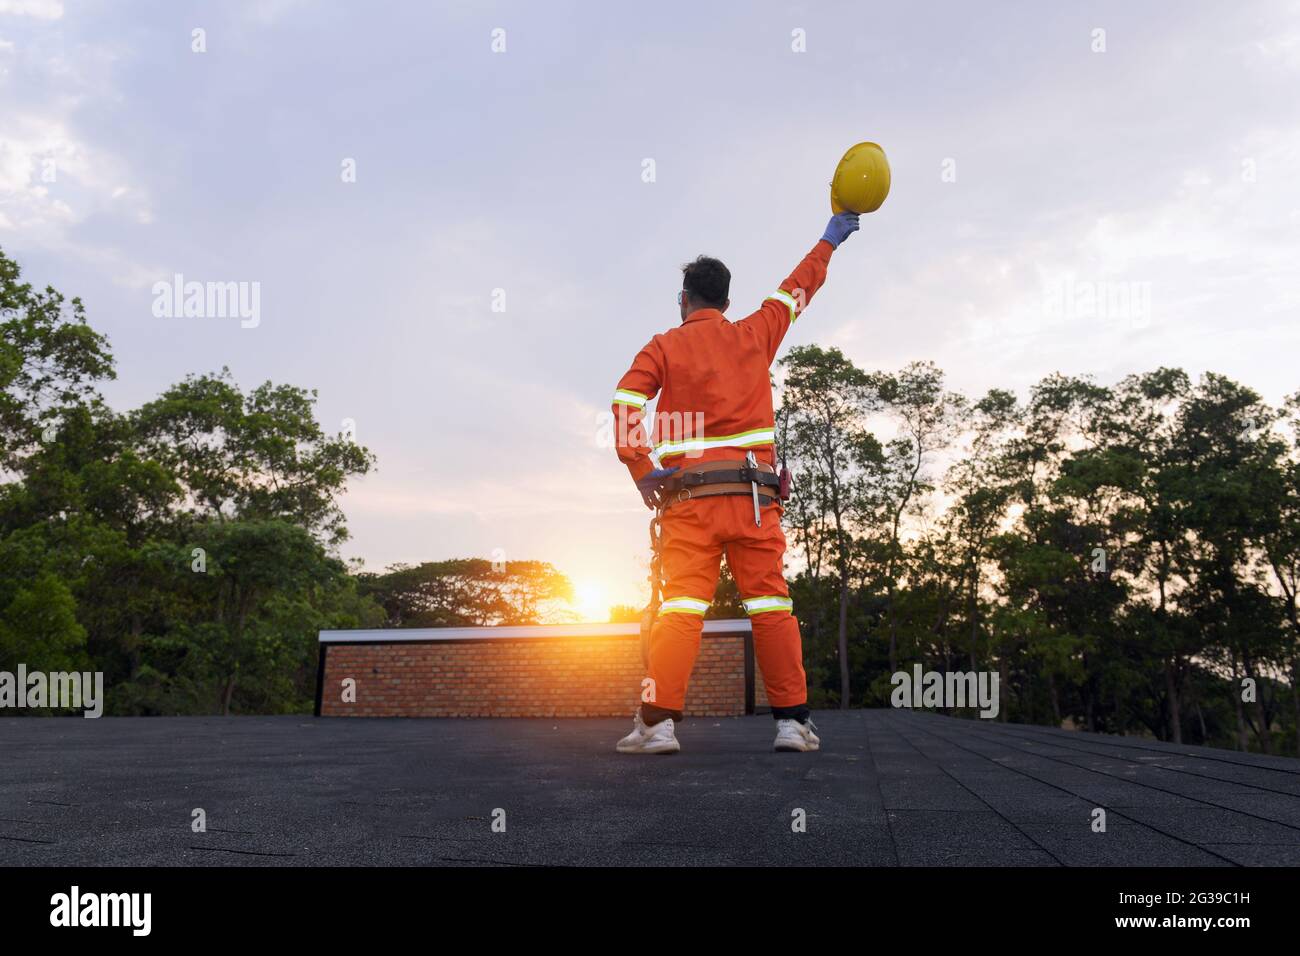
[{"x": 591, "y": 602}]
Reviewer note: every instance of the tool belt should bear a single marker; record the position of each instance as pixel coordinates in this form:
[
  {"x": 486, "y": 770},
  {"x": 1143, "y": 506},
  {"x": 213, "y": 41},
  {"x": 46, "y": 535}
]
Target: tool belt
[{"x": 711, "y": 478}]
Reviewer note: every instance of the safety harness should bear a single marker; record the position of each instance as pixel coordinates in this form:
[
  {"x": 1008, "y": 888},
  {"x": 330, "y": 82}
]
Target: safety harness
[{"x": 721, "y": 478}]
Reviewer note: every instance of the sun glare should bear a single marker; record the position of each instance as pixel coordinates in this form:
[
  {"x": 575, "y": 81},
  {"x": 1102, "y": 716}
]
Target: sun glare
[{"x": 591, "y": 602}]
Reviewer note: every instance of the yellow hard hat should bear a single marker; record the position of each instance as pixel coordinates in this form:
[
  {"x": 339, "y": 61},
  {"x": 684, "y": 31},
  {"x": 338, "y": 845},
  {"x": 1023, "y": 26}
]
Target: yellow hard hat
[{"x": 861, "y": 180}]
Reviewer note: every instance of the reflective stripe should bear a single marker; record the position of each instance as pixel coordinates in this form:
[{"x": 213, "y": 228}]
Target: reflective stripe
[
  {"x": 759, "y": 436},
  {"x": 788, "y": 299},
  {"x": 768, "y": 602},
  {"x": 684, "y": 605},
  {"x": 625, "y": 396}
]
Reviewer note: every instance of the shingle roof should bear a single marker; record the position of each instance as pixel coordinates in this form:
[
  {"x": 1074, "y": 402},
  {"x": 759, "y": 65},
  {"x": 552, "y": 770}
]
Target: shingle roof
[{"x": 889, "y": 787}]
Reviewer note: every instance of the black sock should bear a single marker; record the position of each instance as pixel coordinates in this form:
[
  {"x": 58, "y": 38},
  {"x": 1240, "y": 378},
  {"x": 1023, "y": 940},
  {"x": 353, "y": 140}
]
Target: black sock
[
  {"x": 799, "y": 712},
  {"x": 651, "y": 715}
]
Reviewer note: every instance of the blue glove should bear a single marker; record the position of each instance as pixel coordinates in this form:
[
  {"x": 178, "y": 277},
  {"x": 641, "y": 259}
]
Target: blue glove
[
  {"x": 652, "y": 484},
  {"x": 840, "y": 228}
]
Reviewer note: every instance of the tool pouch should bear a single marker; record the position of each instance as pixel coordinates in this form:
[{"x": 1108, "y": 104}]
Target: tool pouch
[{"x": 784, "y": 492}]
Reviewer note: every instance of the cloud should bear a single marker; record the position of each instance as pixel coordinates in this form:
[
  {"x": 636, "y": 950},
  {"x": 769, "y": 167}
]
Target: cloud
[
  {"x": 53, "y": 177},
  {"x": 39, "y": 9},
  {"x": 268, "y": 12}
]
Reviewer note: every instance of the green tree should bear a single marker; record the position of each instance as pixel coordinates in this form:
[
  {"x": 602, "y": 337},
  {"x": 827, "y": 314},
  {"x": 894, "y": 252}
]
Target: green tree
[
  {"x": 50, "y": 360},
  {"x": 468, "y": 592},
  {"x": 39, "y": 628},
  {"x": 260, "y": 456},
  {"x": 825, "y": 401},
  {"x": 929, "y": 420}
]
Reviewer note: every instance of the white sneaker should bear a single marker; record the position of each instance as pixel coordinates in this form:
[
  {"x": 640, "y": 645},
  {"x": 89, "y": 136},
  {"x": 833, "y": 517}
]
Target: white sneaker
[
  {"x": 792, "y": 735},
  {"x": 659, "y": 739}
]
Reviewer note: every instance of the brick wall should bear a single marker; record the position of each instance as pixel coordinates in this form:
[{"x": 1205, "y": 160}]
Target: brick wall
[{"x": 470, "y": 672}]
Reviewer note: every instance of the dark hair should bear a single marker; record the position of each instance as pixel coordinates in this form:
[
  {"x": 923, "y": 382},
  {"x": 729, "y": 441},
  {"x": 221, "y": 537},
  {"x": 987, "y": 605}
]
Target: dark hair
[{"x": 707, "y": 281}]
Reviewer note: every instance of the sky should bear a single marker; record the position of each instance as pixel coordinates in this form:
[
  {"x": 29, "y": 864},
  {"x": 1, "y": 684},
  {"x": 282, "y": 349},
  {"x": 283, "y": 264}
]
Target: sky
[{"x": 463, "y": 219}]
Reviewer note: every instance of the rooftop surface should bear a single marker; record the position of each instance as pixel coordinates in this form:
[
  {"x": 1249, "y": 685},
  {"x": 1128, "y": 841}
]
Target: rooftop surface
[{"x": 888, "y": 788}]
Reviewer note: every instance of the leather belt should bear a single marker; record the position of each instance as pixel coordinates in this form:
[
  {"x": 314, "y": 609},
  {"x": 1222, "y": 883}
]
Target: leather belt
[{"x": 711, "y": 478}]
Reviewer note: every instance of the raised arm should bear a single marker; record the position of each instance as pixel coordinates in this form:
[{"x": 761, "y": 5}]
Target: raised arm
[{"x": 772, "y": 320}]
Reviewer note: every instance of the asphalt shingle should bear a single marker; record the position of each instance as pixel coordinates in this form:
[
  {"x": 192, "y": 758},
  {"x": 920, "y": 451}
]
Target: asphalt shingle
[{"x": 888, "y": 788}]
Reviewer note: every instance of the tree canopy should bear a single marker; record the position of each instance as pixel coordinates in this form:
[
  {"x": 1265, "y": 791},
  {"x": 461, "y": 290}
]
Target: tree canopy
[{"x": 1124, "y": 557}]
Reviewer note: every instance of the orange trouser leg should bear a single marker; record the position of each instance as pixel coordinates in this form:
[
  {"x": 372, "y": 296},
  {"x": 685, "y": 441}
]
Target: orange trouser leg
[
  {"x": 755, "y": 556},
  {"x": 691, "y": 555}
]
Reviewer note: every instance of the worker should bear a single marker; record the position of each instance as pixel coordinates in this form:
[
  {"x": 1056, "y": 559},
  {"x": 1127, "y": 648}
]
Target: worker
[{"x": 716, "y": 487}]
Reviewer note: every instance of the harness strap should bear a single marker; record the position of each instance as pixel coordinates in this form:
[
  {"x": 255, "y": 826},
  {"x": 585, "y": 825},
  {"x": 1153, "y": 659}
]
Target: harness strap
[
  {"x": 722, "y": 488},
  {"x": 656, "y": 587},
  {"x": 723, "y": 472},
  {"x": 733, "y": 476},
  {"x": 710, "y": 478}
]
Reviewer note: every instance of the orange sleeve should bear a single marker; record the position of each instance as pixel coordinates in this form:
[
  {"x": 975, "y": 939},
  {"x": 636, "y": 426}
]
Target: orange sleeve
[
  {"x": 638, "y": 386},
  {"x": 782, "y": 307}
]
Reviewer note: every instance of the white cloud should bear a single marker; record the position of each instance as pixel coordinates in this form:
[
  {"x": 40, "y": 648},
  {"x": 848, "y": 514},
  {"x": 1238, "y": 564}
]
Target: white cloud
[
  {"x": 50, "y": 178},
  {"x": 40, "y": 9},
  {"x": 53, "y": 178}
]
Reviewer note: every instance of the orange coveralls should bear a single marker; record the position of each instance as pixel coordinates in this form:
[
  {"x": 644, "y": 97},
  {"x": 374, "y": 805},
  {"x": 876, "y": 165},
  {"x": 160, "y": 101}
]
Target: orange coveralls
[{"x": 715, "y": 403}]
